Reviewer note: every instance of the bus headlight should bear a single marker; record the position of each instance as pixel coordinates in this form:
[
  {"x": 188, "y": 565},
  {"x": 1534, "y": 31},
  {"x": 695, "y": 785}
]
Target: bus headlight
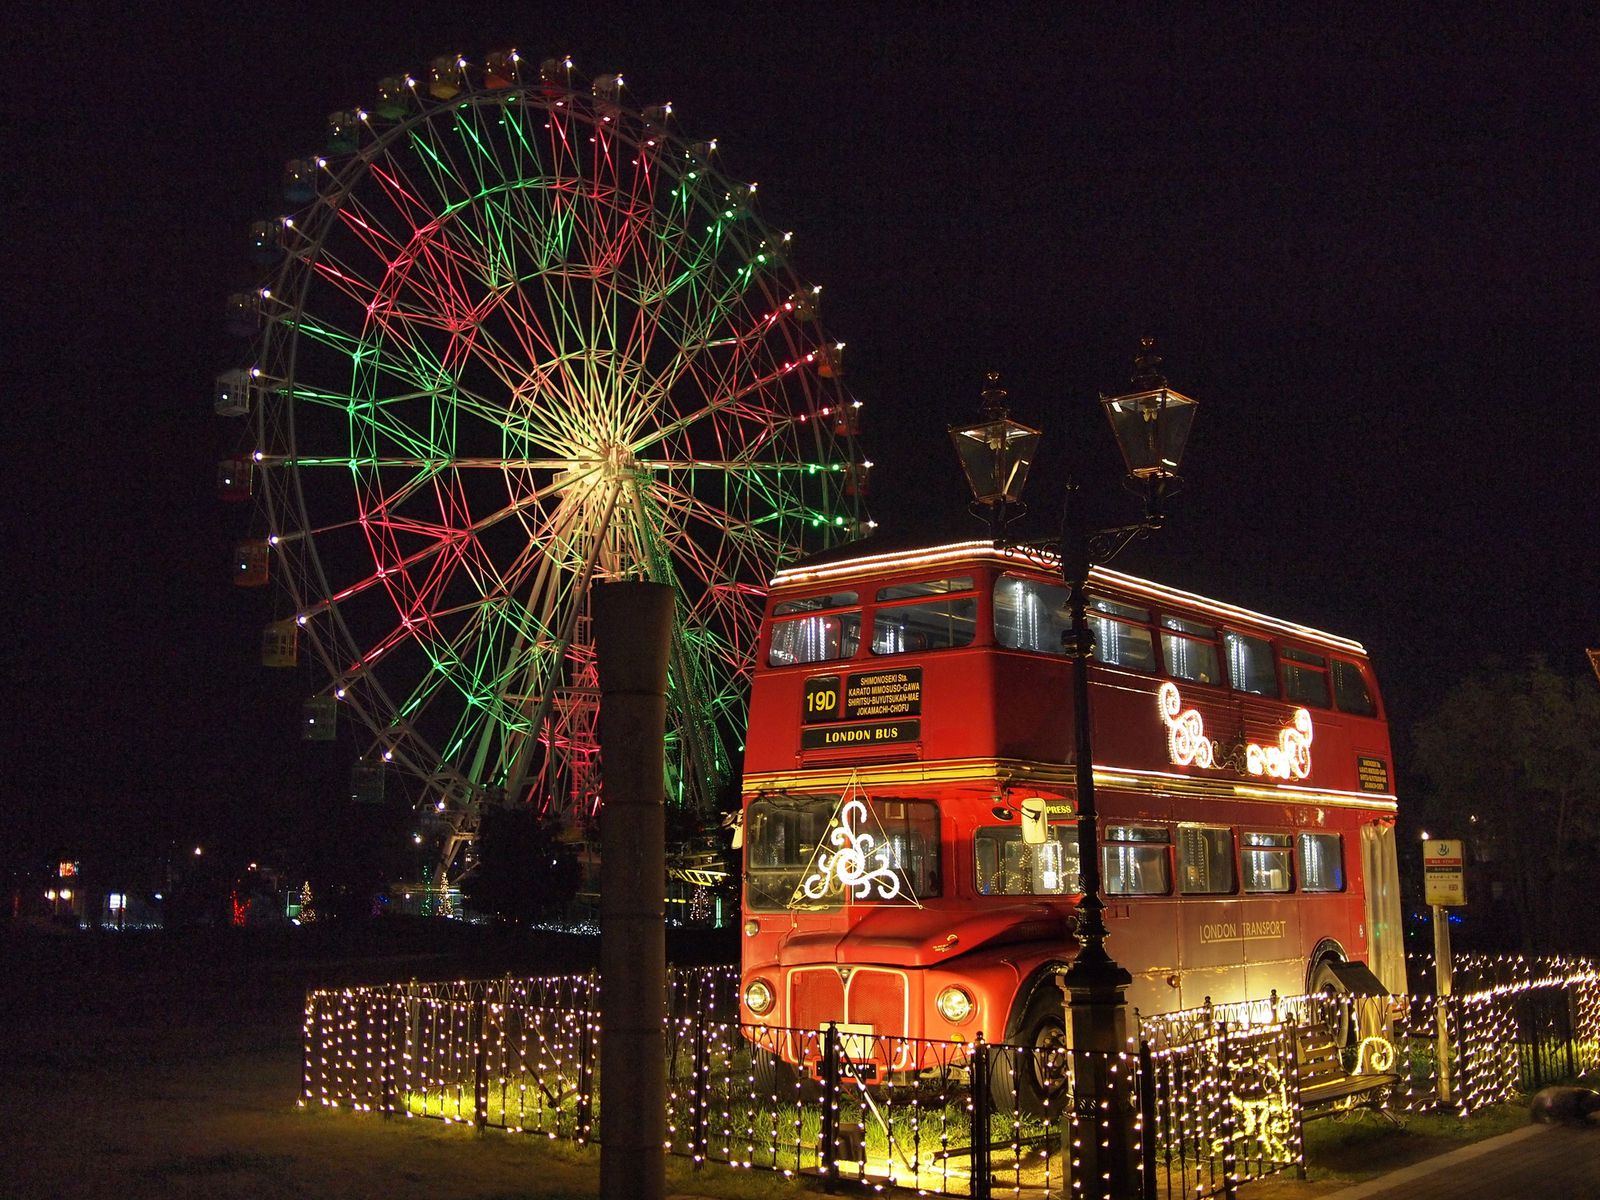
[
  {"x": 954, "y": 1005},
  {"x": 759, "y": 997}
]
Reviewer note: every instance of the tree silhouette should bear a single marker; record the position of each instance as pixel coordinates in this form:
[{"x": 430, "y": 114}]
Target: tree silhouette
[
  {"x": 524, "y": 872},
  {"x": 1512, "y": 758}
]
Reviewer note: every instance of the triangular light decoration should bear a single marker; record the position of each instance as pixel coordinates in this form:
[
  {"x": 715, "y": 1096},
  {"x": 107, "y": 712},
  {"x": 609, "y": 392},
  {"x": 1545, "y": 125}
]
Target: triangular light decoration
[{"x": 855, "y": 861}]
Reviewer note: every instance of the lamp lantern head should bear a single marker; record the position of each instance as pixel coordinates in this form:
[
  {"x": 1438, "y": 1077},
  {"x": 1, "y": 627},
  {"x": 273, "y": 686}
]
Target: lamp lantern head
[
  {"x": 996, "y": 451},
  {"x": 1151, "y": 423}
]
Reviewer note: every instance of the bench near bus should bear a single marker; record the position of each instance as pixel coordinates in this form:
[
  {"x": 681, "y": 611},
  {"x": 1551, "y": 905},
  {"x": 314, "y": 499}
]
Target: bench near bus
[{"x": 911, "y": 862}]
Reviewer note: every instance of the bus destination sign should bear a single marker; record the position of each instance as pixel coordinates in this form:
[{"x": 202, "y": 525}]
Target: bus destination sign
[
  {"x": 1372, "y": 773},
  {"x": 869, "y": 733},
  {"x": 866, "y": 695},
  {"x": 863, "y": 709}
]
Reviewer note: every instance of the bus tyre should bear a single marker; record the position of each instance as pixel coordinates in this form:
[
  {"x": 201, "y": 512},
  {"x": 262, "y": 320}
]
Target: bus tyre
[
  {"x": 1334, "y": 1011},
  {"x": 1029, "y": 1076},
  {"x": 771, "y": 1076}
]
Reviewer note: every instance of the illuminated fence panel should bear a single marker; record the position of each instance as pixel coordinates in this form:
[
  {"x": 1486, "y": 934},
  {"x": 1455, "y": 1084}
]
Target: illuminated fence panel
[
  {"x": 1218, "y": 1103},
  {"x": 1204, "y": 1100}
]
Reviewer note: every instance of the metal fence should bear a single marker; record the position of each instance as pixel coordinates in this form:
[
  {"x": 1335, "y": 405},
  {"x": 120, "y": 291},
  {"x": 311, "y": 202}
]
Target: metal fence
[{"x": 1209, "y": 1098}]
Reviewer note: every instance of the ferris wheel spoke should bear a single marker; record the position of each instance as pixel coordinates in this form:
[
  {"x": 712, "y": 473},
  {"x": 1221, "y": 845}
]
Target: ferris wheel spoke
[
  {"x": 434, "y": 156},
  {"x": 370, "y": 230}
]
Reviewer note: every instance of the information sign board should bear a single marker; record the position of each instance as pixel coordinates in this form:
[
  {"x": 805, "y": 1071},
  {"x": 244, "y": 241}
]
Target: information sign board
[{"x": 1444, "y": 880}]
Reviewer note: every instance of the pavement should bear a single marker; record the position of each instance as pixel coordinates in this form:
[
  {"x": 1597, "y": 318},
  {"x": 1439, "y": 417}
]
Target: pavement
[{"x": 1552, "y": 1162}]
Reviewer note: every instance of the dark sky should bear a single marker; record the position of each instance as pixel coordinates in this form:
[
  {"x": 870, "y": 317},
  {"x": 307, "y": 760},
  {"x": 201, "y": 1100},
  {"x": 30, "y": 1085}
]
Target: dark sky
[{"x": 1365, "y": 241}]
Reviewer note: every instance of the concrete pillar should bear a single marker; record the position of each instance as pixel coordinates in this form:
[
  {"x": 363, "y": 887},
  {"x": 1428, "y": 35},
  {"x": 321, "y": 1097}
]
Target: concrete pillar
[
  {"x": 1103, "y": 1151},
  {"x": 632, "y": 635}
]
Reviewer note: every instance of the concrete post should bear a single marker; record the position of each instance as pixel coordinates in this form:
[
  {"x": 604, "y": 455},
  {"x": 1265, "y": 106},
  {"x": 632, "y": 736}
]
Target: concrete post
[
  {"x": 1104, "y": 1158},
  {"x": 632, "y": 634}
]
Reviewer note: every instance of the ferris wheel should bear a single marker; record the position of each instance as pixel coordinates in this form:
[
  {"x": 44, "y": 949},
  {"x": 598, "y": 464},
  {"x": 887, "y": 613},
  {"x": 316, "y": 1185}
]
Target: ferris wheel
[{"x": 520, "y": 338}]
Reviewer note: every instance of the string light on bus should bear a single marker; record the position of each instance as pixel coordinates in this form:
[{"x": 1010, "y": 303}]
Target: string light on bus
[
  {"x": 1187, "y": 743},
  {"x": 856, "y": 860}
]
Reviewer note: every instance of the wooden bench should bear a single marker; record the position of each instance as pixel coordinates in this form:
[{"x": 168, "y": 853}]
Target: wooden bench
[{"x": 1326, "y": 1088}]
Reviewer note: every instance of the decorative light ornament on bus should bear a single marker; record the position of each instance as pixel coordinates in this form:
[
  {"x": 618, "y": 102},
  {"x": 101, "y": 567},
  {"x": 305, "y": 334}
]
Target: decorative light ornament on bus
[
  {"x": 853, "y": 862},
  {"x": 1188, "y": 745}
]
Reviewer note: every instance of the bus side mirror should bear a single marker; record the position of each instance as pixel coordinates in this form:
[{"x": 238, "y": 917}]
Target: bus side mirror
[
  {"x": 1035, "y": 822},
  {"x": 734, "y": 823}
]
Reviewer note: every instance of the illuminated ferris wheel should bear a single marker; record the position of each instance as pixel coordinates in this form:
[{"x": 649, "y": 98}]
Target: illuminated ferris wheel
[{"x": 520, "y": 338}]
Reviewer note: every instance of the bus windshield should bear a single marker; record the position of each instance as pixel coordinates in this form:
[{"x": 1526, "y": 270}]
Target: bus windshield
[{"x": 782, "y": 834}]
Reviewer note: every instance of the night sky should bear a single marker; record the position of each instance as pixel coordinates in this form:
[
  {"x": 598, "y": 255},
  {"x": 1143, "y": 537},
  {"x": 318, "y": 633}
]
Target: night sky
[{"x": 1364, "y": 241}]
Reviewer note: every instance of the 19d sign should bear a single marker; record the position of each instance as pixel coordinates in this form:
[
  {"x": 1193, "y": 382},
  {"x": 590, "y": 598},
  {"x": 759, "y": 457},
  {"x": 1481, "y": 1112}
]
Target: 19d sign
[{"x": 823, "y": 699}]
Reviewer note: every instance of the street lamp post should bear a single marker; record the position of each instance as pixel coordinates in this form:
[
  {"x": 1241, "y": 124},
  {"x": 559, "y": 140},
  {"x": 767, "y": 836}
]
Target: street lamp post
[{"x": 1151, "y": 424}]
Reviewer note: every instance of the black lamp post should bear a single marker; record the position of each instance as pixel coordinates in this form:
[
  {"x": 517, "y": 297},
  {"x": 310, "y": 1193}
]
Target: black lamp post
[{"x": 1151, "y": 425}]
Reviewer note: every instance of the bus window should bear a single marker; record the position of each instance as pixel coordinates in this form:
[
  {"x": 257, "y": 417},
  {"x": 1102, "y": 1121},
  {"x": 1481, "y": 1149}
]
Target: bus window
[
  {"x": 1029, "y": 615},
  {"x": 1250, "y": 664},
  {"x": 912, "y": 829},
  {"x": 1119, "y": 642},
  {"x": 814, "y": 639},
  {"x": 786, "y": 608},
  {"x": 937, "y": 625},
  {"x": 1135, "y": 862},
  {"x": 1265, "y": 862},
  {"x": 1205, "y": 860},
  {"x": 1350, "y": 690},
  {"x": 1321, "y": 862},
  {"x": 782, "y": 834},
  {"x": 1305, "y": 677},
  {"x": 1189, "y": 650},
  {"x": 925, "y": 587},
  {"x": 781, "y": 837},
  {"x": 1004, "y": 866}
]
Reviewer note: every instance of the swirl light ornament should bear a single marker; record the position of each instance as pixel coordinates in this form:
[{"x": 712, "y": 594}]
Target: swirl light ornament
[
  {"x": 856, "y": 861},
  {"x": 1290, "y": 758},
  {"x": 1188, "y": 745}
]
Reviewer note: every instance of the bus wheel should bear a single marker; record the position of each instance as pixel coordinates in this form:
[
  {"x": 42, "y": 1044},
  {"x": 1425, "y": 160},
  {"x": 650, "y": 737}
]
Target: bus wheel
[
  {"x": 771, "y": 1076},
  {"x": 1029, "y": 1078},
  {"x": 1334, "y": 1011}
]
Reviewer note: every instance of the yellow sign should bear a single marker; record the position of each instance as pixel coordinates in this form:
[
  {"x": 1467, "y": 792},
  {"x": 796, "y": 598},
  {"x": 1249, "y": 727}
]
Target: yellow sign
[
  {"x": 883, "y": 694},
  {"x": 1372, "y": 773},
  {"x": 1444, "y": 877}
]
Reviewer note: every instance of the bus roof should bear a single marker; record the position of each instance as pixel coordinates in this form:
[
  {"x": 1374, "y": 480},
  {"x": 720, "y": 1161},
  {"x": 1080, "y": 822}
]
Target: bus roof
[{"x": 854, "y": 561}]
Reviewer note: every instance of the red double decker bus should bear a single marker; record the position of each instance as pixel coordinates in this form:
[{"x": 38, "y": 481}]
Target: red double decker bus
[{"x": 910, "y": 845}]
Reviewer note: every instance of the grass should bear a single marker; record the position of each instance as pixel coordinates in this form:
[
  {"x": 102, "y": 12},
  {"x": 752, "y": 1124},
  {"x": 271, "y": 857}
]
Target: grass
[{"x": 1343, "y": 1151}]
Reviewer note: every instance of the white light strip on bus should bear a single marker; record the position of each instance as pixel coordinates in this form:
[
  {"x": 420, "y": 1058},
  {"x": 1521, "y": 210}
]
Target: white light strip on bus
[
  {"x": 1332, "y": 799},
  {"x": 1282, "y": 792},
  {"x": 1013, "y": 773},
  {"x": 956, "y": 551},
  {"x": 1039, "y": 559}
]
